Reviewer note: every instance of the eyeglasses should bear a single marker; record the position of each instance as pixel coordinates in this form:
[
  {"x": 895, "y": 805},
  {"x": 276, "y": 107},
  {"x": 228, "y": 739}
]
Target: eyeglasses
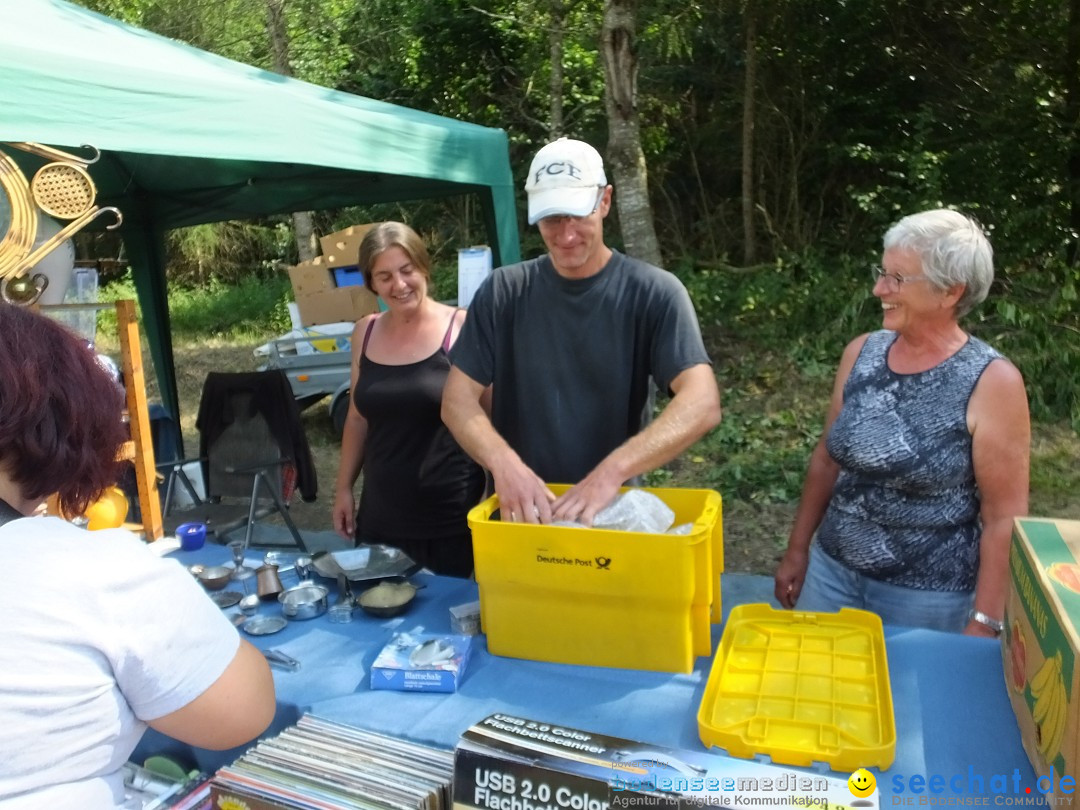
[
  {"x": 893, "y": 281},
  {"x": 558, "y": 219}
]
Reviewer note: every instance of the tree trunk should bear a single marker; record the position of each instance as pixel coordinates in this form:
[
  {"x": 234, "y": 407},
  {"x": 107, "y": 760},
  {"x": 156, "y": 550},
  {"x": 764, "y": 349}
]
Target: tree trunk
[
  {"x": 626, "y": 158},
  {"x": 748, "y": 185},
  {"x": 278, "y": 33},
  {"x": 304, "y": 231},
  {"x": 1072, "y": 125},
  {"x": 556, "y": 36}
]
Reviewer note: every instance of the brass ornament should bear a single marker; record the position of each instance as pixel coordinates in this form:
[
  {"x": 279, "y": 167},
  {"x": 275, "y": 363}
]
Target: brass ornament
[
  {"x": 16, "y": 243},
  {"x": 63, "y": 189},
  {"x": 23, "y": 290}
]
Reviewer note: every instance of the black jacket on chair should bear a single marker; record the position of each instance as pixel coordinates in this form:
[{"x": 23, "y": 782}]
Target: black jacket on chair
[{"x": 272, "y": 398}]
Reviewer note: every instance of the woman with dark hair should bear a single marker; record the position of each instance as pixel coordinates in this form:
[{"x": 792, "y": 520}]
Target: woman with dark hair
[
  {"x": 418, "y": 483},
  {"x": 923, "y": 463},
  {"x": 101, "y": 637}
]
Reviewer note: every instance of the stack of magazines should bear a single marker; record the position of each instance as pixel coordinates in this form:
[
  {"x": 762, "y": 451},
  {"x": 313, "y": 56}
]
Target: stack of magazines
[{"x": 323, "y": 765}]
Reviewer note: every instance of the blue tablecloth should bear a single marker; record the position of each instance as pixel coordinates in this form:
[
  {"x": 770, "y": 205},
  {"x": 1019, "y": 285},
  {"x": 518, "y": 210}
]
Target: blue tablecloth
[{"x": 952, "y": 710}]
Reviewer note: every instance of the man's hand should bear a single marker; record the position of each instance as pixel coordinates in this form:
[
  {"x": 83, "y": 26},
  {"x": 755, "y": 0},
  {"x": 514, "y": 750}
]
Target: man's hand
[
  {"x": 583, "y": 500},
  {"x": 523, "y": 496}
]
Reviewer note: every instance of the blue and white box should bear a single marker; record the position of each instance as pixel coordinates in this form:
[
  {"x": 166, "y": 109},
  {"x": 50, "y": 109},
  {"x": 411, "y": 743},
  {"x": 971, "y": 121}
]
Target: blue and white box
[{"x": 421, "y": 662}]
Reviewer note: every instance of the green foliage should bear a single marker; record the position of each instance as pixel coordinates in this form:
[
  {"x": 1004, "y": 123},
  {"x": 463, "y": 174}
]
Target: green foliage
[
  {"x": 228, "y": 251},
  {"x": 1054, "y": 472},
  {"x": 249, "y": 309},
  {"x": 1033, "y": 318},
  {"x": 759, "y": 458},
  {"x": 805, "y": 306}
]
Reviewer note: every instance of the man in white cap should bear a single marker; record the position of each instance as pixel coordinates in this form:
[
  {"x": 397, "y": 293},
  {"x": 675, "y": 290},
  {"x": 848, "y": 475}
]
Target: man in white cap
[{"x": 568, "y": 342}]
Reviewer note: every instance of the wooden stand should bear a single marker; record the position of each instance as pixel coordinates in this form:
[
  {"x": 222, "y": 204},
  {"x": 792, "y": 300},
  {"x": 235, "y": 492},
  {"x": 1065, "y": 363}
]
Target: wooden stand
[
  {"x": 142, "y": 445},
  {"x": 140, "y": 448}
]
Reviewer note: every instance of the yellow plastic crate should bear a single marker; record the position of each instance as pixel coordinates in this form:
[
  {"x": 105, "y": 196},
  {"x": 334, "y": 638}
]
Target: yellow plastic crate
[
  {"x": 801, "y": 687},
  {"x": 598, "y": 597}
]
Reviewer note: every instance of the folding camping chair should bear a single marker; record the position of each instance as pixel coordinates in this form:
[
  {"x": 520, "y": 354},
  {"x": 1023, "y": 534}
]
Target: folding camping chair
[{"x": 254, "y": 456}]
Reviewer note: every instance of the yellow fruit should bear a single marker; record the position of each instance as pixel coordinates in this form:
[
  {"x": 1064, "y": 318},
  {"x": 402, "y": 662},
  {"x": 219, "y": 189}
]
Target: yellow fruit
[
  {"x": 109, "y": 511},
  {"x": 1052, "y": 728},
  {"x": 1046, "y": 675}
]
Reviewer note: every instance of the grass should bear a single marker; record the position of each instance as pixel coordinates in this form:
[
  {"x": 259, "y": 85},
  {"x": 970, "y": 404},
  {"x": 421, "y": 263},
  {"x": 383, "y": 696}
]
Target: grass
[{"x": 774, "y": 406}]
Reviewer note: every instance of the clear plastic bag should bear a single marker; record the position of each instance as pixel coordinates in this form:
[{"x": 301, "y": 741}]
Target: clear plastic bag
[{"x": 635, "y": 511}]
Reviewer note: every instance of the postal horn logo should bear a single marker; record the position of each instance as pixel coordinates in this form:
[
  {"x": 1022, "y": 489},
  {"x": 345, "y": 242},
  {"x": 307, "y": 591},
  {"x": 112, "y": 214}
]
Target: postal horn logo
[{"x": 603, "y": 563}]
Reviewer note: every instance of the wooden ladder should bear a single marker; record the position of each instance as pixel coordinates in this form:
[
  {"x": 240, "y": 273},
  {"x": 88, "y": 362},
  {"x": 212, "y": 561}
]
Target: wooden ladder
[{"x": 141, "y": 445}]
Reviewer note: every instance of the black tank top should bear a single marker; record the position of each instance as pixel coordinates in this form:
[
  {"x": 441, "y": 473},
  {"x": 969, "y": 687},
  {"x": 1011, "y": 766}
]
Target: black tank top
[{"x": 418, "y": 482}]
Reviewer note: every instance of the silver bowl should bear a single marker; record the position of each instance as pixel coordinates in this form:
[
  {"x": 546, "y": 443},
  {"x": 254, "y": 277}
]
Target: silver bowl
[
  {"x": 214, "y": 577},
  {"x": 303, "y": 601}
]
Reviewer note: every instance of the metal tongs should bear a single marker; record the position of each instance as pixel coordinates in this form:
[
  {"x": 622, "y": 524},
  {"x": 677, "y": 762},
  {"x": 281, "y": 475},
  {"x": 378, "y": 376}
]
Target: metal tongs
[{"x": 279, "y": 659}]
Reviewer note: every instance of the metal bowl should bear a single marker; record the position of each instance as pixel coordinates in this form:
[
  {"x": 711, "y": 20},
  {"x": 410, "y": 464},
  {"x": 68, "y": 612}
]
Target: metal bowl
[
  {"x": 304, "y": 601},
  {"x": 387, "y": 599},
  {"x": 214, "y": 577}
]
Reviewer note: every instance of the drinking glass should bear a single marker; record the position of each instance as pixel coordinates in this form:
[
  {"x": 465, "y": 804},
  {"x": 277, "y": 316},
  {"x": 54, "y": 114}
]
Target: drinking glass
[{"x": 240, "y": 571}]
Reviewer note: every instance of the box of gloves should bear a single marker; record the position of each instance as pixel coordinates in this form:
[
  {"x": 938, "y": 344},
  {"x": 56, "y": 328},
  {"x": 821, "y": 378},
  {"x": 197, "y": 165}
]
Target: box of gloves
[
  {"x": 638, "y": 590},
  {"x": 421, "y": 662}
]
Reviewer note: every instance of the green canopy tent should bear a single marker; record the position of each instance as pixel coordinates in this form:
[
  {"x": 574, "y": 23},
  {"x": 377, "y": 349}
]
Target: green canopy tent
[{"x": 188, "y": 137}]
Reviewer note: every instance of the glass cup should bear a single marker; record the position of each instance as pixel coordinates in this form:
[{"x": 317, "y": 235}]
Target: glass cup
[
  {"x": 241, "y": 572},
  {"x": 341, "y": 613}
]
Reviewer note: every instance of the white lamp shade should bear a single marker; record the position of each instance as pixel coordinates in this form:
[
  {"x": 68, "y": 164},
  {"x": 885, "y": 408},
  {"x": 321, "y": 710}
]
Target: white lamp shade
[{"x": 57, "y": 265}]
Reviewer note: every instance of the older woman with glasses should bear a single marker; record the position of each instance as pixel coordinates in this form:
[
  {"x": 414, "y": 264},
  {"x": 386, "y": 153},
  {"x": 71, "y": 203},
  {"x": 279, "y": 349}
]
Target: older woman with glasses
[{"x": 923, "y": 462}]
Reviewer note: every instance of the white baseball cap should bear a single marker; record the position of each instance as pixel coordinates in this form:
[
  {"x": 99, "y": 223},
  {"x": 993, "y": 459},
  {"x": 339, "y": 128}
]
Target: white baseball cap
[{"x": 564, "y": 179}]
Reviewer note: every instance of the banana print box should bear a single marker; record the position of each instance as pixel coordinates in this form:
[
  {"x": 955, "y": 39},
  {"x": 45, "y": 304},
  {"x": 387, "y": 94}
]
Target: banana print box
[{"x": 1040, "y": 643}]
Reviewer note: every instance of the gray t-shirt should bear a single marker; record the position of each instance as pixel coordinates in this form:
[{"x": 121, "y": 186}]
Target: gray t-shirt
[
  {"x": 571, "y": 360},
  {"x": 905, "y": 508}
]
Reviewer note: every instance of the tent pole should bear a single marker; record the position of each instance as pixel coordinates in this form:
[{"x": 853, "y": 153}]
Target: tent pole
[
  {"x": 500, "y": 222},
  {"x": 145, "y": 245}
]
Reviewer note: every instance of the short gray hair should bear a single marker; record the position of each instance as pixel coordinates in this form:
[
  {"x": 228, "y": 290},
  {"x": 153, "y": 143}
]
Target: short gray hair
[{"x": 953, "y": 250}]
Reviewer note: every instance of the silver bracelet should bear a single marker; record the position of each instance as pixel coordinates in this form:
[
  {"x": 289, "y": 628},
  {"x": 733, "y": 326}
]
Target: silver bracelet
[{"x": 986, "y": 621}]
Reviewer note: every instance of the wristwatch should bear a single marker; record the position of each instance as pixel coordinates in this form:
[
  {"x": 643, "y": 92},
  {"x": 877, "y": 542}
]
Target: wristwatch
[{"x": 986, "y": 621}]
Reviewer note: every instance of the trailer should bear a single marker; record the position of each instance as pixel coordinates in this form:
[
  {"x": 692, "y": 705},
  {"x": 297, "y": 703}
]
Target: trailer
[{"x": 318, "y": 364}]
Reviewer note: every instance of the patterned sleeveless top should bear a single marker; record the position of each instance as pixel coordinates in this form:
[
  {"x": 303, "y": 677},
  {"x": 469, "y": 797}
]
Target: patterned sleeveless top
[{"x": 905, "y": 508}]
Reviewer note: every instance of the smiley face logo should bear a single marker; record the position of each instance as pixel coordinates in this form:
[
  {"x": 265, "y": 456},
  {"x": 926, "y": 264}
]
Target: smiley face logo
[{"x": 861, "y": 783}]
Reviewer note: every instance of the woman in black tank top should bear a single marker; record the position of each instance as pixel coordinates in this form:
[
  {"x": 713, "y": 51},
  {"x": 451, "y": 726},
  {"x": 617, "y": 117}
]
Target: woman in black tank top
[{"x": 418, "y": 483}]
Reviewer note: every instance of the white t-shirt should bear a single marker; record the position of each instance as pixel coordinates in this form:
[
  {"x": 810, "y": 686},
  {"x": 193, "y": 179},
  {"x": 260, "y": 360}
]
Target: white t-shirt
[{"x": 97, "y": 636}]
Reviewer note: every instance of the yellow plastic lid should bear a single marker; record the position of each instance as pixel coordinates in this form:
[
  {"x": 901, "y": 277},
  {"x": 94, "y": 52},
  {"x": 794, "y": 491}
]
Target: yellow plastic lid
[{"x": 801, "y": 687}]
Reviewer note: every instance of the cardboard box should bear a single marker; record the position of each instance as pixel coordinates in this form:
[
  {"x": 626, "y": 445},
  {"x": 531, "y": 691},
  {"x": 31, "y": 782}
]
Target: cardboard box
[
  {"x": 512, "y": 762},
  {"x": 335, "y": 305},
  {"x": 342, "y": 248},
  {"x": 1040, "y": 644},
  {"x": 421, "y": 662},
  {"x": 311, "y": 277}
]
